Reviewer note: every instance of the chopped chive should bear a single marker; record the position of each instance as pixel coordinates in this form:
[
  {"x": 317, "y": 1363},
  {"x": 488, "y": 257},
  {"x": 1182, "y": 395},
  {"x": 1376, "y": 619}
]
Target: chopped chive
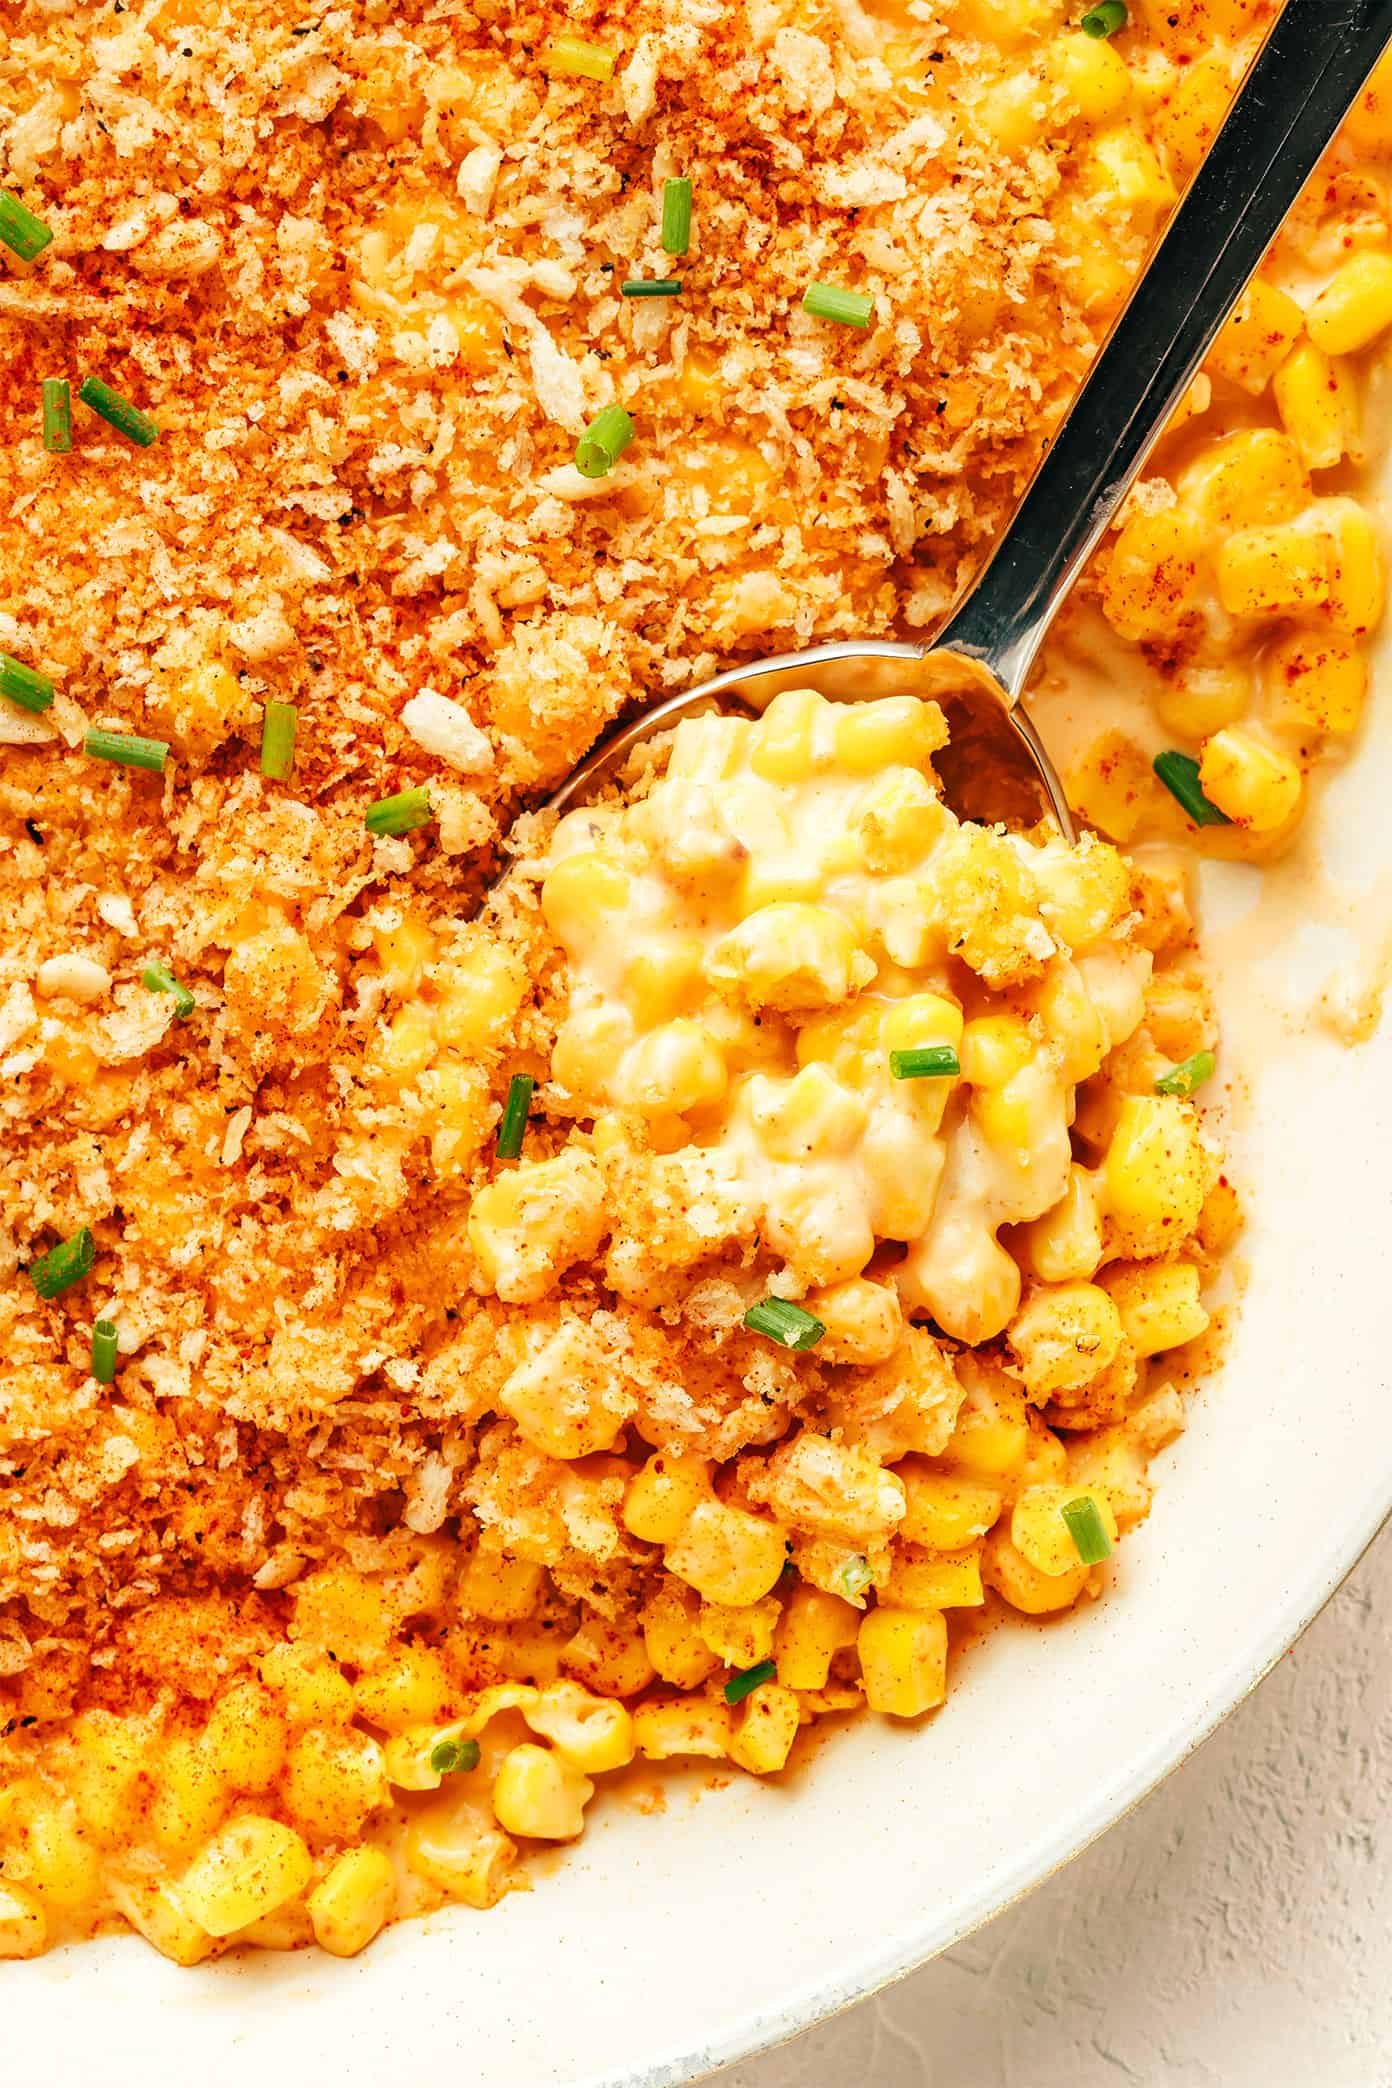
[
  {"x": 603, "y": 442},
  {"x": 104, "y": 1351},
  {"x": 1189, "y": 1074},
  {"x": 128, "y": 748},
  {"x": 278, "y": 722},
  {"x": 117, "y": 412},
  {"x": 676, "y": 215},
  {"x": 448, "y": 1757},
  {"x": 846, "y": 307},
  {"x": 925, "y": 1062},
  {"x": 399, "y": 814},
  {"x": 21, "y": 231},
  {"x": 160, "y": 979},
  {"x": 23, "y": 685},
  {"x": 584, "y": 61},
  {"x": 1105, "y": 19},
  {"x": 856, "y": 1577},
  {"x": 1087, "y": 1529},
  {"x": 57, "y": 415},
  {"x": 1180, "y": 775},
  {"x": 65, "y": 1264},
  {"x": 786, "y": 1324},
  {"x": 656, "y": 286},
  {"x": 512, "y": 1125},
  {"x": 742, "y": 1685}
]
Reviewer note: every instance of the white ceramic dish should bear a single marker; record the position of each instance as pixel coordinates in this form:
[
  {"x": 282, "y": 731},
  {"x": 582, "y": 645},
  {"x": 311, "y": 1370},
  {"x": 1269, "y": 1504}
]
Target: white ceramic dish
[
  {"x": 666, "y": 1946},
  {"x": 663, "y": 1947}
]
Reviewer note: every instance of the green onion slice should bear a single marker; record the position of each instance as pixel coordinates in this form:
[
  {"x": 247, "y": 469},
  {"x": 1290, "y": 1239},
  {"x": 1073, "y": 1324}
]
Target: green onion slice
[
  {"x": 846, "y": 307},
  {"x": 676, "y": 216},
  {"x": 399, "y": 814},
  {"x": 1087, "y": 1529},
  {"x": 786, "y": 1324},
  {"x": 128, "y": 748},
  {"x": 118, "y": 413},
  {"x": 603, "y": 442},
  {"x": 160, "y": 979},
  {"x": 278, "y": 724},
  {"x": 57, "y": 415},
  {"x": 23, "y": 685},
  {"x": 856, "y": 1578},
  {"x": 21, "y": 231},
  {"x": 104, "y": 1351},
  {"x": 656, "y": 286},
  {"x": 448, "y": 1757},
  {"x": 584, "y": 61},
  {"x": 1189, "y": 1074},
  {"x": 742, "y": 1685},
  {"x": 1105, "y": 19},
  {"x": 1180, "y": 775},
  {"x": 925, "y": 1062},
  {"x": 65, "y": 1264},
  {"x": 512, "y": 1125}
]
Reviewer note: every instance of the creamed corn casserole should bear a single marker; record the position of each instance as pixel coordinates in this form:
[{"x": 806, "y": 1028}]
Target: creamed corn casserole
[{"x": 449, "y": 1356}]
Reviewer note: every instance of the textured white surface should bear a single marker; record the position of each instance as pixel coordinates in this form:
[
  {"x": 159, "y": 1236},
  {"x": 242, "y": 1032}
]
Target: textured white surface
[{"x": 1235, "y": 1930}]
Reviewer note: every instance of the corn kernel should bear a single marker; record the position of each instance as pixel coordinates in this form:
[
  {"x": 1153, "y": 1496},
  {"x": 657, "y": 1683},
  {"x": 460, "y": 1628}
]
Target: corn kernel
[
  {"x": 672, "y": 1636},
  {"x": 896, "y": 820},
  {"x": 740, "y": 1638},
  {"x": 662, "y": 982},
  {"x": 872, "y": 736},
  {"x": 903, "y": 1660},
  {"x": 810, "y": 1117},
  {"x": 589, "y": 1045},
  {"x": 403, "y": 946},
  {"x": 245, "y": 1736},
  {"x": 251, "y": 1867},
  {"x": 479, "y": 999},
  {"x": 786, "y": 744},
  {"x": 945, "y": 1512},
  {"x": 1065, "y": 1245},
  {"x": 1123, "y": 168},
  {"x": 1220, "y": 1220},
  {"x": 1256, "y": 338},
  {"x": 1368, "y": 124},
  {"x": 922, "y": 1580},
  {"x": 1191, "y": 115},
  {"x": 1250, "y": 477},
  {"x": 727, "y": 1554},
  {"x": 1203, "y": 698},
  {"x": 334, "y": 1779},
  {"x": 23, "y": 1924},
  {"x": 864, "y": 1321},
  {"x": 1315, "y": 681},
  {"x": 1006, "y": 1569},
  {"x": 412, "y": 1687},
  {"x": 994, "y": 1048},
  {"x": 105, "y": 1776},
  {"x": 582, "y": 899},
  {"x": 1158, "y": 1302},
  {"x": 460, "y": 1853},
  {"x": 156, "y": 1911},
  {"x": 529, "y": 1224},
  {"x": 1256, "y": 785},
  {"x": 1264, "y": 572},
  {"x": 1355, "y": 306},
  {"x": 540, "y": 1794},
  {"x": 764, "y": 1737},
  {"x": 1150, "y": 581},
  {"x": 992, "y": 1432},
  {"x": 1317, "y": 399},
  {"x": 1112, "y": 784},
  {"x": 664, "y": 1495},
  {"x": 1063, "y": 1336},
  {"x": 790, "y": 956},
  {"x": 684, "y": 1726},
  {"x": 190, "y": 1795},
  {"x": 1357, "y": 579},
  {"x": 352, "y": 1901},
  {"x": 500, "y": 1589},
  {"x": 313, "y": 1690},
  {"x": 1093, "y": 77},
  {"x": 1040, "y": 1534},
  {"x": 813, "y": 1628},
  {"x": 1154, "y": 1174},
  {"x": 612, "y": 1658},
  {"x": 592, "y": 1733}
]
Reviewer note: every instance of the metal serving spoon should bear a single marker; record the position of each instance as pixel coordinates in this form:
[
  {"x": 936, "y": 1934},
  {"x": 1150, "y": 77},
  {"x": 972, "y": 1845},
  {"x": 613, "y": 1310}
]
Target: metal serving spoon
[{"x": 1301, "y": 85}]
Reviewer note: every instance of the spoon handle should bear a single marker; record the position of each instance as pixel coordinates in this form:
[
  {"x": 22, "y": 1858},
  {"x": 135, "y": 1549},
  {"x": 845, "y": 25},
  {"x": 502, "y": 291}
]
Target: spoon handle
[{"x": 1302, "y": 83}]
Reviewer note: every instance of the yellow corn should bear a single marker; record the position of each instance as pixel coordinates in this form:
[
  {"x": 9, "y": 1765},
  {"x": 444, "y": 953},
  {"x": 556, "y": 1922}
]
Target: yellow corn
[
  {"x": 1263, "y": 327},
  {"x": 251, "y": 1867},
  {"x": 662, "y": 982},
  {"x": 1251, "y": 477},
  {"x": 1315, "y": 681},
  {"x": 460, "y": 1853},
  {"x": 740, "y": 1638},
  {"x": 190, "y": 1795},
  {"x": 684, "y": 1726},
  {"x": 583, "y": 897},
  {"x": 811, "y": 1118},
  {"x": 1158, "y": 1302},
  {"x": 155, "y": 1910},
  {"x": 896, "y": 820},
  {"x": 403, "y": 946},
  {"x": 23, "y": 1924},
  {"x": 1265, "y": 572},
  {"x": 903, "y": 1660},
  {"x": 1122, "y": 170},
  {"x": 992, "y": 1433},
  {"x": 1154, "y": 1174},
  {"x": 1368, "y": 124},
  {"x": 352, "y": 1901},
  {"x": 1357, "y": 580},
  {"x": 945, "y": 1512},
  {"x": 1355, "y": 307},
  {"x": 813, "y": 1628},
  {"x": 863, "y": 1321},
  {"x": 664, "y": 1495},
  {"x": 871, "y": 736},
  {"x": 1150, "y": 579},
  {"x": 727, "y": 1554},
  {"x": 1257, "y": 785},
  {"x": 412, "y": 1687},
  {"x": 540, "y": 1794},
  {"x": 245, "y": 1736},
  {"x": 675, "y": 1067},
  {"x": 610, "y": 1656},
  {"x": 789, "y": 742},
  {"x": 763, "y": 1739},
  {"x": 1040, "y": 1534},
  {"x": 1191, "y": 115},
  {"x": 672, "y": 1637},
  {"x": 334, "y": 1778},
  {"x": 1065, "y": 1245},
  {"x": 308, "y": 1683},
  {"x": 1204, "y": 698},
  {"x": 1063, "y": 1336},
  {"x": 592, "y": 1733},
  {"x": 1006, "y": 1569},
  {"x": 1317, "y": 399},
  {"x": 936, "y": 1580},
  {"x": 501, "y": 1589},
  {"x": 1092, "y": 76},
  {"x": 789, "y": 956}
]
